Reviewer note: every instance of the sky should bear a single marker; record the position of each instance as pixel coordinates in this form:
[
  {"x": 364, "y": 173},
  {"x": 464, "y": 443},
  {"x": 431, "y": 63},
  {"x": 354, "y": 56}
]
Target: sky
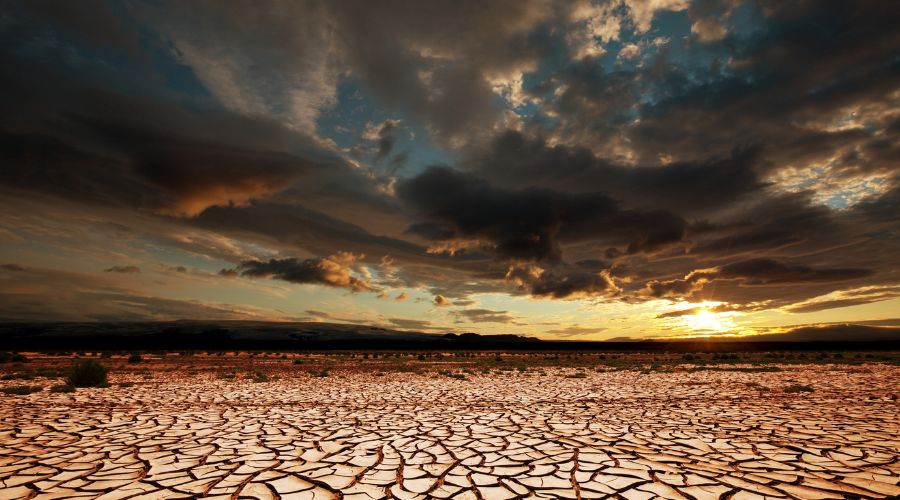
[{"x": 566, "y": 170}]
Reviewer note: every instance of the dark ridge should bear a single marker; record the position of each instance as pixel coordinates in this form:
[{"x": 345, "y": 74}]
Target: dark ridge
[{"x": 250, "y": 335}]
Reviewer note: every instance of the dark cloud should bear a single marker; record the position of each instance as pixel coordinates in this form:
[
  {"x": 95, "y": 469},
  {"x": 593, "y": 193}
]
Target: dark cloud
[
  {"x": 386, "y": 139},
  {"x": 755, "y": 272},
  {"x": 548, "y": 284},
  {"x": 545, "y": 283},
  {"x": 484, "y": 316},
  {"x": 123, "y": 270},
  {"x": 514, "y": 159},
  {"x": 41, "y": 295},
  {"x": 335, "y": 270},
  {"x": 461, "y": 211},
  {"x": 866, "y": 295},
  {"x": 414, "y": 324},
  {"x": 575, "y": 331}
]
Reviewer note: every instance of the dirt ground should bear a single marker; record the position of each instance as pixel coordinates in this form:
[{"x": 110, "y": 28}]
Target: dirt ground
[{"x": 484, "y": 425}]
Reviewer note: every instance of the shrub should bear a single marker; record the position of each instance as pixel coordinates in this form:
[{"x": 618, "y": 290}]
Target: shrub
[
  {"x": 259, "y": 377},
  {"x": 135, "y": 358},
  {"x": 320, "y": 374},
  {"x": 62, "y": 388},
  {"x": 19, "y": 358},
  {"x": 22, "y": 390},
  {"x": 798, "y": 388},
  {"x": 4, "y": 357},
  {"x": 87, "y": 373}
]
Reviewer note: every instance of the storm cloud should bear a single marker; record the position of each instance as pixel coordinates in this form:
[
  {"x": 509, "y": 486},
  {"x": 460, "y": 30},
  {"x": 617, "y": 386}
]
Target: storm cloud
[{"x": 334, "y": 270}]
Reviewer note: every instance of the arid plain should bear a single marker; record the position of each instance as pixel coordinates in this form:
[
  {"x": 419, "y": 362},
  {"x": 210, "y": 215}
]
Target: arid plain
[{"x": 453, "y": 425}]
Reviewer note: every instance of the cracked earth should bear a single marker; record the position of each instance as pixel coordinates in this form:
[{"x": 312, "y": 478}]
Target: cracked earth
[{"x": 355, "y": 435}]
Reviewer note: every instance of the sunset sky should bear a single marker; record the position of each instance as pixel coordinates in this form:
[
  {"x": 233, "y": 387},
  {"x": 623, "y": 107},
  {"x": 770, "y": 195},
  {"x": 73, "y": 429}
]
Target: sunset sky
[{"x": 572, "y": 170}]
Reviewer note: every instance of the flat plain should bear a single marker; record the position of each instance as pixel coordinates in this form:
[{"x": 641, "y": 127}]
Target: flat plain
[{"x": 453, "y": 425}]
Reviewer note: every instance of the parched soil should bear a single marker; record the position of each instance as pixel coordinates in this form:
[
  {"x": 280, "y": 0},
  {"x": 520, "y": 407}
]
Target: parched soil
[{"x": 251, "y": 427}]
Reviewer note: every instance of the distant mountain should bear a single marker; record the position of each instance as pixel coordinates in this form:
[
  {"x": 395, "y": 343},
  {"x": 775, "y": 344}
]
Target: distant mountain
[
  {"x": 259, "y": 335},
  {"x": 227, "y": 335}
]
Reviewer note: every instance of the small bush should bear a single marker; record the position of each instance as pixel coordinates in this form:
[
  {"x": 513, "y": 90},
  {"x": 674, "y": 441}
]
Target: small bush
[
  {"x": 62, "y": 388},
  {"x": 798, "y": 388},
  {"x": 22, "y": 390},
  {"x": 259, "y": 377},
  {"x": 4, "y": 357},
  {"x": 577, "y": 375},
  {"x": 320, "y": 374},
  {"x": 19, "y": 358},
  {"x": 87, "y": 373},
  {"x": 135, "y": 358},
  {"x": 298, "y": 361}
]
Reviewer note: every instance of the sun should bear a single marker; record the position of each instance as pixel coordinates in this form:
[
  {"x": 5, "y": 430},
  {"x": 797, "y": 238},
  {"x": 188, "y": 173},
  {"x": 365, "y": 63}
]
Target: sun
[{"x": 705, "y": 319}]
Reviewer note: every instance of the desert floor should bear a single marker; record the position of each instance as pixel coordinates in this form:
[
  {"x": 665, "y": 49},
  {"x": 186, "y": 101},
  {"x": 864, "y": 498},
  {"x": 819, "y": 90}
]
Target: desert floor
[{"x": 487, "y": 425}]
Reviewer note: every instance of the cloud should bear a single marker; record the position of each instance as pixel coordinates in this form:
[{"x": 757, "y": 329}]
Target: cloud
[
  {"x": 416, "y": 324},
  {"x": 513, "y": 159},
  {"x": 629, "y": 51},
  {"x": 440, "y": 300},
  {"x": 754, "y": 272},
  {"x": 383, "y": 134},
  {"x": 576, "y": 331},
  {"x": 846, "y": 298},
  {"x": 484, "y": 316},
  {"x": 42, "y": 295},
  {"x": 575, "y": 285},
  {"x": 12, "y": 267},
  {"x": 759, "y": 154},
  {"x": 544, "y": 283},
  {"x": 123, "y": 270},
  {"x": 334, "y": 270},
  {"x": 529, "y": 224},
  {"x": 643, "y": 11}
]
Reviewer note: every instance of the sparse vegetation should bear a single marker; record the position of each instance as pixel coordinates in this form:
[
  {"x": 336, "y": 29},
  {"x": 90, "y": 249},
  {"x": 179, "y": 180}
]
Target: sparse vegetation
[
  {"x": 135, "y": 358},
  {"x": 62, "y": 388},
  {"x": 22, "y": 390},
  {"x": 793, "y": 388},
  {"x": 87, "y": 373}
]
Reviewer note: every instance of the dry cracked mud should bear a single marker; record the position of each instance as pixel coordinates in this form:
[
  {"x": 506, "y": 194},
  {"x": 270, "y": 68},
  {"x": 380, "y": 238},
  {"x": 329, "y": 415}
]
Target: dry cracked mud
[{"x": 355, "y": 435}]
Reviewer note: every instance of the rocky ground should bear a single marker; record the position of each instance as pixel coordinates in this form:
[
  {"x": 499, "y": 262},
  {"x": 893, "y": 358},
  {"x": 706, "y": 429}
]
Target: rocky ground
[{"x": 269, "y": 427}]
